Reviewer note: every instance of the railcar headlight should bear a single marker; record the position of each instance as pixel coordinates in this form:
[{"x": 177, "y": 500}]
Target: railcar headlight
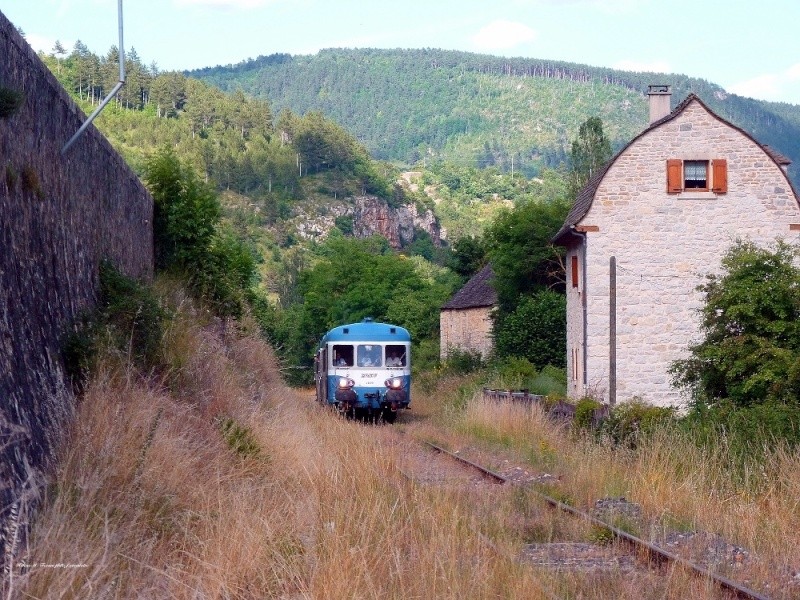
[
  {"x": 345, "y": 382},
  {"x": 394, "y": 383}
]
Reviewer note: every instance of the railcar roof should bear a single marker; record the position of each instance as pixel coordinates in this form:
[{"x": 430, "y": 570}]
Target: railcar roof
[{"x": 367, "y": 332}]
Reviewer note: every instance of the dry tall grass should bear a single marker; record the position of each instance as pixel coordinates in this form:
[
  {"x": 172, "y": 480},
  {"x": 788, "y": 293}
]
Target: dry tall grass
[
  {"x": 150, "y": 500},
  {"x": 679, "y": 485},
  {"x": 216, "y": 481}
]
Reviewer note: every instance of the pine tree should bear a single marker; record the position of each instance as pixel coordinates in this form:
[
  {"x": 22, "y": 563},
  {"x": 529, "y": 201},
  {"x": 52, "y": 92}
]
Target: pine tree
[{"x": 590, "y": 152}]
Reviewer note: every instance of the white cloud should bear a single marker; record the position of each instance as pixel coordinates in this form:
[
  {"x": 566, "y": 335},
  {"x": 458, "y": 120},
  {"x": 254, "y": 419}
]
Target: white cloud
[
  {"x": 657, "y": 66},
  {"x": 783, "y": 86},
  {"x": 40, "y": 42},
  {"x": 502, "y": 35},
  {"x": 793, "y": 72},
  {"x": 223, "y": 3}
]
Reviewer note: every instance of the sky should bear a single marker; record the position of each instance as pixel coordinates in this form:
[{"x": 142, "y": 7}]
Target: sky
[{"x": 751, "y": 49}]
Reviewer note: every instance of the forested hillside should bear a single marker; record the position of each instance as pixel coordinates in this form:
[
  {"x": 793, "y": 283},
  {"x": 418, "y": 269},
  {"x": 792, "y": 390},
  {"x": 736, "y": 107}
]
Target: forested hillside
[{"x": 410, "y": 105}]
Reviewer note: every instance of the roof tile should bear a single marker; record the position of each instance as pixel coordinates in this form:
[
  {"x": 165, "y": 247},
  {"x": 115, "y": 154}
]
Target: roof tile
[{"x": 477, "y": 292}]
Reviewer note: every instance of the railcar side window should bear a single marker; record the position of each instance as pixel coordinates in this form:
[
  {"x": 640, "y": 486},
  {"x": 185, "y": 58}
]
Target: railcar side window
[
  {"x": 342, "y": 355},
  {"x": 369, "y": 355},
  {"x": 395, "y": 355}
]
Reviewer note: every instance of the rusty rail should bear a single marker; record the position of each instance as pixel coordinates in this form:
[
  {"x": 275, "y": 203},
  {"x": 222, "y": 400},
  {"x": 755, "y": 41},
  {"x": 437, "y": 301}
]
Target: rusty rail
[{"x": 655, "y": 553}]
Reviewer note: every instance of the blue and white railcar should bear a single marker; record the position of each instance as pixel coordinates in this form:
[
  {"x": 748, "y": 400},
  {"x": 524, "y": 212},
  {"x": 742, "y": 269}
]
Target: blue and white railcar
[{"x": 365, "y": 368}]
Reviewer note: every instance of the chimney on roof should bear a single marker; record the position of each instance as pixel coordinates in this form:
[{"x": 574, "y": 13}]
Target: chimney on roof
[{"x": 660, "y": 96}]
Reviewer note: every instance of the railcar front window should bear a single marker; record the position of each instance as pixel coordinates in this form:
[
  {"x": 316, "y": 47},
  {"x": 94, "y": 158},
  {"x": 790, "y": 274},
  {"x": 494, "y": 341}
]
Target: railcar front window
[
  {"x": 395, "y": 355},
  {"x": 342, "y": 355},
  {"x": 369, "y": 355}
]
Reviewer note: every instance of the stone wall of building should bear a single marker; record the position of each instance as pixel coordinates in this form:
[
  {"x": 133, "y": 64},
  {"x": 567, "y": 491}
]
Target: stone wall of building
[
  {"x": 59, "y": 217},
  {"x": 665, "y": 245},
  {"x": 468, "y": 329}
]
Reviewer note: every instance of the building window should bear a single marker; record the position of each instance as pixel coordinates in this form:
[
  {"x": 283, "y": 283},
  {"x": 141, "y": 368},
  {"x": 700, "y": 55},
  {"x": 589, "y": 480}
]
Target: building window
[
  {"x": 697, "y": 175},
  {"x": 574, "y": 270}
]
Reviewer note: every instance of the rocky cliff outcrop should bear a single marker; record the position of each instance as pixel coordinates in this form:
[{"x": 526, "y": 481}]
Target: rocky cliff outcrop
[
  {"x": 374, "y": 216},
  {"x": 371, "y": 216}
]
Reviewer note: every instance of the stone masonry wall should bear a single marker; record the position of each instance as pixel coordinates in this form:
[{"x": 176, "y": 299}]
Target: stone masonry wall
[
  {"x": 466, "y": 329},
  {"x": 575, "y": 296},
  {"x": 665, "y": 245},
  {"x": 59, "y": 216}
]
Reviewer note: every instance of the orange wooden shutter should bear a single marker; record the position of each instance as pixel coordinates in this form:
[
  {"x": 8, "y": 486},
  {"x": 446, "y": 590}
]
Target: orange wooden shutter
[
  {"x": 574, "y": 271},
  {"x": 720, "y": 176},
  {"x": 674, "y": 176}
]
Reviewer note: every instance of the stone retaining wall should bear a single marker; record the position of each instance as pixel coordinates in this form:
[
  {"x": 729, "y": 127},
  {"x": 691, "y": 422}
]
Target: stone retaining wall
[{"x": 59, "y": 217}]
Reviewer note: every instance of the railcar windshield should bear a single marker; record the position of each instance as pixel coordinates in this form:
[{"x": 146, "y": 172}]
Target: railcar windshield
[
  {"x": 342, "y": 355},
  {"x": 395, "y": 355},
  {"x": 368, "y": 355}
]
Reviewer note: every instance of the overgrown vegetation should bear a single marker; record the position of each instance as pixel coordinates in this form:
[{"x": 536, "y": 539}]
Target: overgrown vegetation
[
  {"x": 744, "y": 374},
  {"x": 189, "y": 238},
  {"x": 129, "y": 322}
]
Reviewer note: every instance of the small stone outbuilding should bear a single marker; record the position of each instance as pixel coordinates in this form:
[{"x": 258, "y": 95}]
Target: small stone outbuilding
[
  {"x": 644, "y": 233},
  {"x": 465, "y": 321}
]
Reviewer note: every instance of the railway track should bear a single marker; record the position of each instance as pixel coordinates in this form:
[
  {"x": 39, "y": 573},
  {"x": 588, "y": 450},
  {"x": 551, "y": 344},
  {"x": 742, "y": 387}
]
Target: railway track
[{"x": 654, "y": 553}]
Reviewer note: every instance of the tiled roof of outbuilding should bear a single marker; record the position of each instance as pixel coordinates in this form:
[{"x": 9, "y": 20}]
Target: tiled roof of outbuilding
[
  {"x": 584, "y": 200},
  {"x": 477, "y": 292}
]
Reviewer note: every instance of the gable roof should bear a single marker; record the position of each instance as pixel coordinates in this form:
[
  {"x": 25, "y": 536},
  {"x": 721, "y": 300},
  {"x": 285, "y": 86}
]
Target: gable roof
[
  {"x": 478, "y": 292},
  {"x": 584, "y": 200}
]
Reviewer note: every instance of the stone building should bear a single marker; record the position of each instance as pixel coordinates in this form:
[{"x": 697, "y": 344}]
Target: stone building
[
  {"x": 644, "y": 233},
  {"x": 465, "y": 321}
]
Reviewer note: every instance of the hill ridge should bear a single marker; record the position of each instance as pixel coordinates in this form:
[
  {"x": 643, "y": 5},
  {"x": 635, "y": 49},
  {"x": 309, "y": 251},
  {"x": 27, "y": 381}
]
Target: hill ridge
[{"x": 409, "y": 105}]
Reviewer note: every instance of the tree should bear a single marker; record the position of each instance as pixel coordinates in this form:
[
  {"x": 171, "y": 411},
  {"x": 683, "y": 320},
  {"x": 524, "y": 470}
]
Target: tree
[
  {"x": 185, "y": 213},
  {"x": 357, "y": 278},
  {"x": 59, "y": 51},
  {"x": 468, "y": 256},
  {"x": 168, "y": 91},
  {"x": 536, "y": 329},
  {"x": 523, "y": 259},
  {"x": 750, "y": 351},
  {"x": 590, "y": 151},
  {"x": 188, "y": 238}
]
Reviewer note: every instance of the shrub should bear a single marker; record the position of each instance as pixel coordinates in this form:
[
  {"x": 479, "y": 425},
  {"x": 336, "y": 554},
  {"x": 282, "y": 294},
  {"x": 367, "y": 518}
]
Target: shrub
[
  {"x": 240, "y": 439},
  {"x": 128, "y": 319},
  {"x": 461, "y": 362},
  {"x": 750, "y": 351},
  {"x": 425, "y": 356},
  {"x": 185, "y": 213},
  {"x": 79, "y": 351},
  {"x": 188, "y": 239},
  {"x": 748, "y": 430},
  {"x": 535, "y": 330},
  {"x": 584, "y": 412},
  {"x": 131, "y": 315},
  {"x": 344, "y": 223},
  {"x": 518, "y": 373},
  {"x": 511, "y": 372},
  {"x": 627, "y": 423}
]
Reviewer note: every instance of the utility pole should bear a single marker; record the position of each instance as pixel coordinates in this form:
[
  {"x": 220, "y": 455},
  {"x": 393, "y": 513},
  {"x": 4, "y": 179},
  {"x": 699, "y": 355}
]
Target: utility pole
[
  {"x": 111, "y": 94},
  {"x": 612, "y": 331}
]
